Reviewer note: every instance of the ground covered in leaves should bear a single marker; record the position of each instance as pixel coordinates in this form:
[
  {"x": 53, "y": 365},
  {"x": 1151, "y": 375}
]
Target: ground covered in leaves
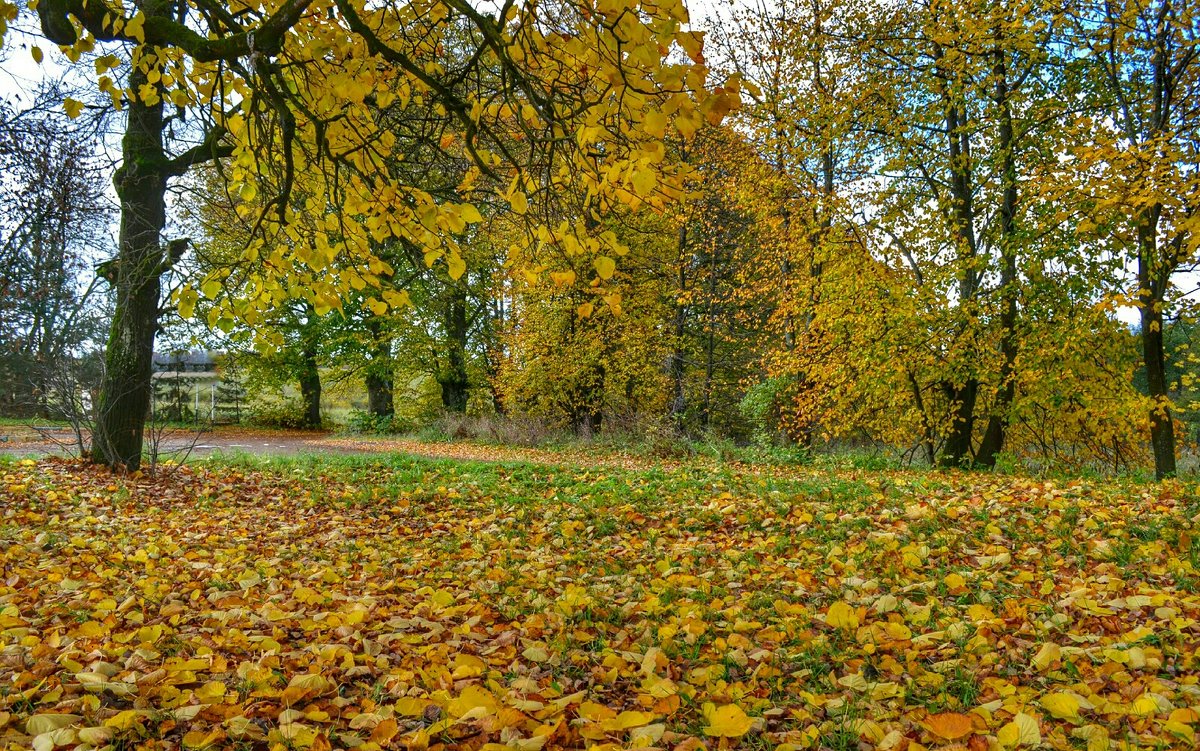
[{"x": 390, "y": 603}]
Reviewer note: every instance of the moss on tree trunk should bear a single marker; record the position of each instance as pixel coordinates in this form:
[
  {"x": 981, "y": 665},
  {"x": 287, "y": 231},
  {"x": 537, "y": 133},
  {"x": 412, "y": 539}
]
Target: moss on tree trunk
[{"x": 136, "y": 278}]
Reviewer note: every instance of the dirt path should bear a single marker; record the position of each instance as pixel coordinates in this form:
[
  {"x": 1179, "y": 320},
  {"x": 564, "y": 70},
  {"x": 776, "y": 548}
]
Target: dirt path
[
  {"x": 22, "y": 441},
  {"x": 25, "y": 441}
]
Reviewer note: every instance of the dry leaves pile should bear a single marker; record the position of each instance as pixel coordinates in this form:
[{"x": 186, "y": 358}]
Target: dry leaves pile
[{"x": 422, "y": 605}]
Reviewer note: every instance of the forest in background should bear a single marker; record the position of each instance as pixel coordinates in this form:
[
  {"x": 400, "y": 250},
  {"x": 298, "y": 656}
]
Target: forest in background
[{"x": 830, "y": 224}]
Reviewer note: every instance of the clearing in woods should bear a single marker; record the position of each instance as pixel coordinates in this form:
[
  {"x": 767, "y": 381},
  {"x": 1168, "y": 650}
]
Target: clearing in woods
[{"x": 383, "y": 602}]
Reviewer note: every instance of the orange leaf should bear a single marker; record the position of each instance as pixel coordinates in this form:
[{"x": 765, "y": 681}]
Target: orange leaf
[
  {"x": 384, "y": 731},
  {"x": 950, "y": 725}
]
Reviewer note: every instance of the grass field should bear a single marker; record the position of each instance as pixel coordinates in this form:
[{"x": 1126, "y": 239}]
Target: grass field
[{"x": 371, "y": 602}]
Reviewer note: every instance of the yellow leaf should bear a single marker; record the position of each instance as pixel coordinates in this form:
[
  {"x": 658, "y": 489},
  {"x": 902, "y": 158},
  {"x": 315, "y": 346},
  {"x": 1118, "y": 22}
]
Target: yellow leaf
[
  {"x": 467, "y": 666},
  {"x": 134, "y": 28},
  {"x": 73, "y": 107},
  {"x": 627, "y": 720},
  {"x": 519, "y": 202},
  {"x": 1145, "y": 706},
  {"x": 188, "y": 298},
  {"x": 1046, "y": 656},
  {"x": 728, "y": 721},
  {"x": 1186, "y": 715},
  {"x": 54, "y": 739},
  {"x": 472, "y": 697},
  {"x": 418, "y": 741},
  {"x": 457, "y": 266},
  {"x": 470, "y": 214},
  {"x": 980, "y": 612},
  {"x": 37, "y": 54},
  {"x": 716, "y": 107},
  {"x": 1179, "y": 729},
  {"x": 97, "y": 736},
  {"x": 210, "y": 691},
  {"x": 590, "y": 710},
  {"x": 299, "y": 735},
  {"x": 125, "y": 720},
  {"x": 655, "y": 123},
  {"x": 1095, "y": 735},
  {"x": 647, "y": 736},
  {"x": 605, "y": 267},
  {"x": 410, "y": 707},
  {"x": 201, "y": 739},
  {"x": 644, "y": 180},
  {"x": 47, "y": 723},
  {"x": 1022, "y": 731},
  {"x": 841, "y": 616},
  {"x": 303, "y": 686},
  {"x": 1061, "y": 705}
]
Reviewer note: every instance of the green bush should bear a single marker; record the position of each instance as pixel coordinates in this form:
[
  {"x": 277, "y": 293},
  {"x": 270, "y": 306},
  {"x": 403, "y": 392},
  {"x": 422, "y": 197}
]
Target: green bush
[
  {"x": 368, "y": 424},
  {"x": 287, "y": 415}
]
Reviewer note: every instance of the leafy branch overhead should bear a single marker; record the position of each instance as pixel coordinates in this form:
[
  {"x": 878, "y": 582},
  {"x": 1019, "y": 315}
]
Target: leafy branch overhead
[{"x": 311, "y": 88}]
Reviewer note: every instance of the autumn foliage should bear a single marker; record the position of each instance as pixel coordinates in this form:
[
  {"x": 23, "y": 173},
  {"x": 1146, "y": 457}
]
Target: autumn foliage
[{"x": 418, "y": 604}]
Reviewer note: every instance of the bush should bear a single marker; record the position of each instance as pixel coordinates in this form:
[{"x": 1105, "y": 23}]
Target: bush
[
  {"x": 761, "y": 408},
  {"x": 287, "y": 415},
  {"x": 368, "y": 424}
]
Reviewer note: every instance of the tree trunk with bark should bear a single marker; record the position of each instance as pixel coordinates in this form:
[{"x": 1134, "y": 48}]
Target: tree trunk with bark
[
  {"x": 1151, "y": 291},
  {"x": 677, "y": 362},
  {"x": 963, "y": 395},
  {"x": 380, "y": 376},
  {"x": 310, "y": 383},
  {"x": 136, "y": 278},
  {"x": 997, "y": 428},
  {"x": 587, "y": 403},
  {"x": 453, "y": 377}
]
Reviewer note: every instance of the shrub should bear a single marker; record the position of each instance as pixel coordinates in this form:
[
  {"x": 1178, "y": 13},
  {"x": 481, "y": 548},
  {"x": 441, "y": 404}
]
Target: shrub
[
  {"x": 366, "y": 423},
  {"x": 287, "y": 414}
]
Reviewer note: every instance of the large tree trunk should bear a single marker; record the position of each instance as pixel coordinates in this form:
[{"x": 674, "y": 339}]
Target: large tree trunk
[
  {"x": 379, "y": 395},
  {"x": 453, "y": 377},
  {"x": 962, "y": 396},
  {"x": 310, "y": 384},
  {"x": 677, "y": 363},
  {"x": 141, "y": 185},
  {"x": 380, "y": 377},
  {"x": 588, "y": 402},
  {"x": 957, "y": 450},
  {"x": 993, "y": 437},
  {"x": 1150, "y": 299}
]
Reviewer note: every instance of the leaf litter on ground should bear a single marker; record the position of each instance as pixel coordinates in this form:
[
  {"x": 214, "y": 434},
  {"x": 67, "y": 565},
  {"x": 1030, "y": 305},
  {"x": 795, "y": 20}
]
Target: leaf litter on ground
[{"x": 358, "y": 602}]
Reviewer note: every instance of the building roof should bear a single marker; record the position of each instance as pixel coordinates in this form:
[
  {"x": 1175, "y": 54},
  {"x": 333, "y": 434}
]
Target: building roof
[{"x": 195, "y": 360}]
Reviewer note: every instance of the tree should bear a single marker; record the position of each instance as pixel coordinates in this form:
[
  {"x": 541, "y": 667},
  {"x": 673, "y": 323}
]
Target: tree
[
  {"x": 1142, "y": 76},
  {"x": 231, "y": 389},
  {"x": 53, "y": 214},
  {"x": 306, "y": 87},
  {"x": 173, "y": 392}
]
